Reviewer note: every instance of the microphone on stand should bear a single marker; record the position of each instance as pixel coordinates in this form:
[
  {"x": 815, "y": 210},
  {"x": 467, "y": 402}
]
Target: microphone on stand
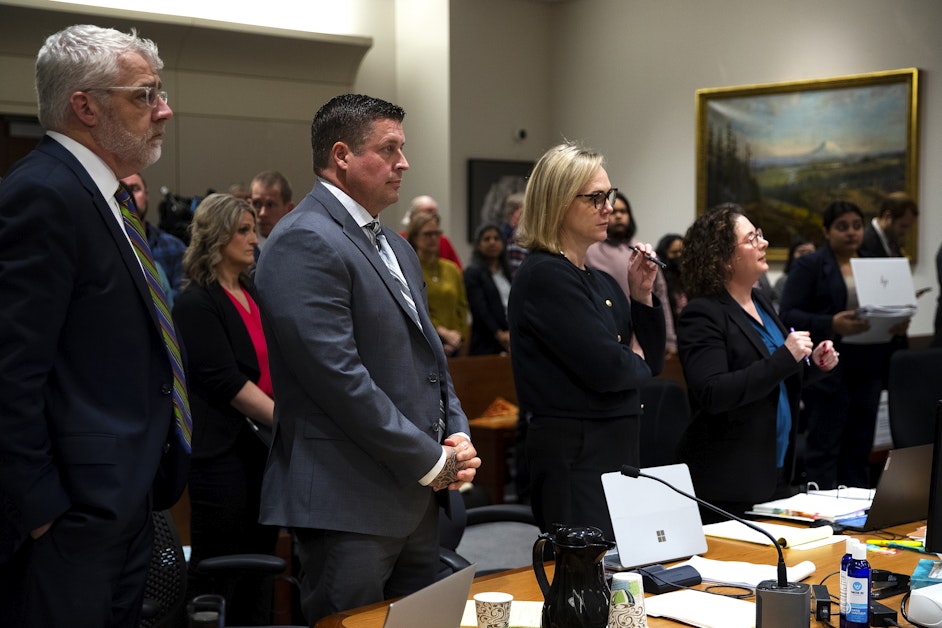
[{"x": 779, "y": 603}]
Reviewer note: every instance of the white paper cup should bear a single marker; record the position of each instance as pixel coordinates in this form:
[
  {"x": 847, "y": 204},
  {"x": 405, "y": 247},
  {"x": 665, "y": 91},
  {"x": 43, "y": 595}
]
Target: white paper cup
[
  {"x": 627, "y": 610},
  {"x": 493, "y": 609}
]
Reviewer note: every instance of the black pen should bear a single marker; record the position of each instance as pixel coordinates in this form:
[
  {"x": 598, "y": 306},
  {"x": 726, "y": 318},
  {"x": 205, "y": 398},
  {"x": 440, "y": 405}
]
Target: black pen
[{"x": 650, "y": 258}]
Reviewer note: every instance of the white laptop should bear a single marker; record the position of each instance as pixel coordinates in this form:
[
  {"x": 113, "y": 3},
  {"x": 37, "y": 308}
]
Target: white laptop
[
  {"x": 886, "y": 295},
  {"x": 652, "y": 523},
  {"x": 439, "y": 604}
]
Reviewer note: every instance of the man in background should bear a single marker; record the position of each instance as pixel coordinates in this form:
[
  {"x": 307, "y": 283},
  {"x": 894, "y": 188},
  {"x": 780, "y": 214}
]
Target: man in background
[
  {"x": 885, "y": 235},
  {"x": 369, "y": 433},
  {"x": 93, "y": 406},
  {"x": 428, "y": 205},
  {"x": 271, "y": 197},
  {"x": 167, "y": 249},
  {"x": 612, "y": 256}
]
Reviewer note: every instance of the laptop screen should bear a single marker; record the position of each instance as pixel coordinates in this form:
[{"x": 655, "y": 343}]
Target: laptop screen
[{"x": 652, "y": 523}]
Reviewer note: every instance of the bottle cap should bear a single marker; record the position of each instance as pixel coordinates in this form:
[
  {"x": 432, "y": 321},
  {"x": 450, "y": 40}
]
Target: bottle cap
[
  {"x": 850, "y": 544},
  {"x": 860, "y": 551}
]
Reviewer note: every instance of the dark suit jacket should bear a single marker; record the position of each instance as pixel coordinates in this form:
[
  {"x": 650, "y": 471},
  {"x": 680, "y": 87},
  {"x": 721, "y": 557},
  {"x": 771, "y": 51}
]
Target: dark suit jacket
[
  {"x": 487, "y": 310},
  {"x": 733, "y": 386},
  {"x": 570, "y": 332},
  {"x": 872, "y": 245},
  {"x": 220, "y": 360},
  {"x": 359, "y": 385},
  {"x": 85, "y": 381},
  {"x": 814, "y": 293}
]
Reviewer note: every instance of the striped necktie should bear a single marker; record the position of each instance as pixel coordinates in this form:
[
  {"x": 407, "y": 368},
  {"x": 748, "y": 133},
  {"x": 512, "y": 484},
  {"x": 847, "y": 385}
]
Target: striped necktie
[
  {"x": 386, "y": 253},
  {"x": 135, "y": 231}
]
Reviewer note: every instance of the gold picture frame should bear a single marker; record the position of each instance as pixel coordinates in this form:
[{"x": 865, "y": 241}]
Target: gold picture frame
[{"x": 785, "y": 150}]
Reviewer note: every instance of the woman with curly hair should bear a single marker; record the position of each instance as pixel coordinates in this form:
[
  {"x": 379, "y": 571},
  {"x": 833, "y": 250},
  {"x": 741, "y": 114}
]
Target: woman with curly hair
[
  {"x": 744, "y": 369},
  {"x": 219, "y": 321}
]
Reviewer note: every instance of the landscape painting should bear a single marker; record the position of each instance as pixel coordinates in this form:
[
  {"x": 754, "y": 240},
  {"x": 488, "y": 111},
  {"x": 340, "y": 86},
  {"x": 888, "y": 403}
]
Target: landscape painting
[{"x": 784, "y": 151}]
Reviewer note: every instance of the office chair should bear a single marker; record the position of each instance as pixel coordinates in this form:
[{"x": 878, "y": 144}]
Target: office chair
[
  {"x": 913, "y": 388},
  {"x": 498, "y": 537},
  {"x": 165, "y": 590},
  {"x": 165, "y": 593},
  {"x": 666, "y": 416}
]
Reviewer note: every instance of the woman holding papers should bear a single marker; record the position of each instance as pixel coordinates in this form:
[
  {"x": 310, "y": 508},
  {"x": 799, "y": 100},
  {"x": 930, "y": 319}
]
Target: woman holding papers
[
  {"x": 820, "y": 296},
  {"x": 744, "y": 369},
  {"x": 579, "y": 352}
]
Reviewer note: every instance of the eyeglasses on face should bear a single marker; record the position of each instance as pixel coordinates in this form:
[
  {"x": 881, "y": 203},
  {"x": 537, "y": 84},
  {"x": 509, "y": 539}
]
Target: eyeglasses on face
[
  {"x": 431, "y": 234},
  {"x": 753, "y": 240},
  {"x": 149, "y": 94},
  {"x": 600, "y": 198}
]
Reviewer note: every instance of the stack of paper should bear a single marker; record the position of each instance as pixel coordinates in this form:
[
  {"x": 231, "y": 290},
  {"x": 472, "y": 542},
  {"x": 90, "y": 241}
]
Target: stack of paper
[
  {"x": 834, "y": 505},
  {"x": 742, "y": 574},
  {"x": 785, "y": 535},
  {"x": 699, "y": 608}
]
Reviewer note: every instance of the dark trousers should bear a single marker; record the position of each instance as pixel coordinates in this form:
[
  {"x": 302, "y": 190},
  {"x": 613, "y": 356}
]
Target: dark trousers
[
  {"x": 567, "y": 458},
  {"x": 224, "y": 499},
  {"x": 344, "y": 570},
  {"x": 842, "y": 414},
  {"x": 84, "y": 571}
]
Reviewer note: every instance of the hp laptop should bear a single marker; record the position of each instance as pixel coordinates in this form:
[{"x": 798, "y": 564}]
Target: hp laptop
[
  {"x": 652, "y": 523},
  {"x": 902, "y": 493},
  {"x": 439, "y": 604}
]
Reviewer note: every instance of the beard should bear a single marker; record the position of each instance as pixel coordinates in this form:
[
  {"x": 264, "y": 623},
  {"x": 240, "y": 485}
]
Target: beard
[
  {"x": 131, "y": 150},
  {"x": 617, "y": 232}
]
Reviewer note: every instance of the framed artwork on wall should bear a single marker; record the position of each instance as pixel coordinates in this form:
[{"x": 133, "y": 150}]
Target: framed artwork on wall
[
  {"x": 490, "y": 181},
  {"x": 785, "y": 150}
]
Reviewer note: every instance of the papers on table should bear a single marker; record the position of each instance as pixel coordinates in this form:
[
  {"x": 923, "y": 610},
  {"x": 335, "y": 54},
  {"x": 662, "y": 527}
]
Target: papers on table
[
  {"x": 833, "y": 505},
  {"x": 786, "y": 536},
  {"x": 698, "y": 608},
  {"x": 743, "y": 574}
]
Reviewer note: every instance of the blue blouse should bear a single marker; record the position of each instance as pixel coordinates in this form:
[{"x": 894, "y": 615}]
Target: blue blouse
[{"x": 773, "y": 339}]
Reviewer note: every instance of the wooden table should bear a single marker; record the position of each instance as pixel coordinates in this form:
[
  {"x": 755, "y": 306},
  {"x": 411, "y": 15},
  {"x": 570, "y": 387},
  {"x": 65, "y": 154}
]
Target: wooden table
[{"x": 522, "y": 583}]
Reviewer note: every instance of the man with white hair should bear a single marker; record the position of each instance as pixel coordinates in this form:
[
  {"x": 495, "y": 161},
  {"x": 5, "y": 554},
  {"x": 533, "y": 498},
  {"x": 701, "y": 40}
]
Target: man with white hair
[{"x": 93, "y": 405}]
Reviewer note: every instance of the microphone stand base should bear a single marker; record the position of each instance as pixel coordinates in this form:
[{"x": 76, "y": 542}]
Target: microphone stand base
[{"x": 783, "y": 607}]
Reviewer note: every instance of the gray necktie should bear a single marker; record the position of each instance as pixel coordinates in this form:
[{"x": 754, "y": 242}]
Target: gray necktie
[{"x": 385, "y": 252}]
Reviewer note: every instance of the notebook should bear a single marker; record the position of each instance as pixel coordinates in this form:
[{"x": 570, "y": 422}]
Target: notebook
[
  {"x": 902, "y": 493},
  {"x": 439, "y": 604},
  {"x": 652, "y": 523}
]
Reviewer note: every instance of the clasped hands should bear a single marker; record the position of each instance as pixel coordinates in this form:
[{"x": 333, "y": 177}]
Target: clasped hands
[{"x": 461, "y": 463}]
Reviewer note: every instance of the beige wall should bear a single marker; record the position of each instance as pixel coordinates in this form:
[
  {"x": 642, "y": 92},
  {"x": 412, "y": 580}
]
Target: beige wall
[{"x": 620, "y": 75}]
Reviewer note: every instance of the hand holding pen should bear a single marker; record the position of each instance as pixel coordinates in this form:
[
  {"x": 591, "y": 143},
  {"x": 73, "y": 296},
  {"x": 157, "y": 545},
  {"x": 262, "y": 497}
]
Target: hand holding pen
[
  {"x": 801, "y": 344},
  {"x": 648, "y": 256}
]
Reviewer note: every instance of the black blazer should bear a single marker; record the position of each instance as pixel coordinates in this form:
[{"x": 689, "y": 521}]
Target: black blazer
[
  {"x": 570, "y": 334},
  {"x": 221, "y": 359},
  {"x": 733, "y": 386},
  {"x": 85, "y": 381},
  {"x": 487, "y": 311}
]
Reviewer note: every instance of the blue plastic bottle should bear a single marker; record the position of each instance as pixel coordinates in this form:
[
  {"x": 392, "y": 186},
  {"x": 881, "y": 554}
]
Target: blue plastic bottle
[
  {"x": 858, "y": 590},
  {"x": 850, "y": 544}
]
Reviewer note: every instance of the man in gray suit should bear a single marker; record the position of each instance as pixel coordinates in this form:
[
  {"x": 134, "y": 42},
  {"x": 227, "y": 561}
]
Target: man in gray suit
[{"x": 364, "y": 400}]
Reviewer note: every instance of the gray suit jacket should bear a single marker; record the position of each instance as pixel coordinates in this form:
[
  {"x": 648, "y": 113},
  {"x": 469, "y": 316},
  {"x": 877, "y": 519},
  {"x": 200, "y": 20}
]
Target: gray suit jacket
[{"x": 358, "y": 385}]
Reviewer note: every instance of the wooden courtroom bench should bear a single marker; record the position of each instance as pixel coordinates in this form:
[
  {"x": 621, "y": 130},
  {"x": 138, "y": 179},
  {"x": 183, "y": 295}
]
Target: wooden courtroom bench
[{"x": 479, "y": 380}]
